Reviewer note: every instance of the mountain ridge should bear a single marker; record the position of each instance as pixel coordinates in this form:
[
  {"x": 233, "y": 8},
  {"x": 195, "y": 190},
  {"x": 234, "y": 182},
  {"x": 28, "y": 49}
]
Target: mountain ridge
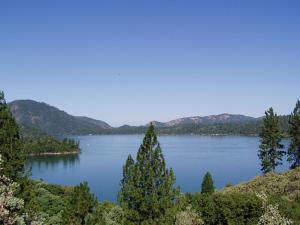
[
  {"x": 205, "y": 120},
  {"x": 33, "y": 115},
  {"x": 49, "y": 119}
]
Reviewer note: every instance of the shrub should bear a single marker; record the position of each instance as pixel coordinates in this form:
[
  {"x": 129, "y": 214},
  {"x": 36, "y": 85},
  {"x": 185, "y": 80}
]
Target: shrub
[
  {"x": 188, "y": 217},
  {"x": 271, "y": 214}
]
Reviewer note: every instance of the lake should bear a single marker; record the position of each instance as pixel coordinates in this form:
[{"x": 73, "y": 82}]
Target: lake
[{"x": 230, "y": 159}]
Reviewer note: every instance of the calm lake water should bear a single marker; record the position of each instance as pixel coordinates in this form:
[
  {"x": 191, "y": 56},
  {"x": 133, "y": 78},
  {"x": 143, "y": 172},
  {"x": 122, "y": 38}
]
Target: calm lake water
[{"x": 229, "y": 158}]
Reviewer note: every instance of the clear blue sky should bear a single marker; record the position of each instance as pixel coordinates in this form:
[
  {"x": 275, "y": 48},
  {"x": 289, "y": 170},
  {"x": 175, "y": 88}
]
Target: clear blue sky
[{"x": 136, "y": 61}]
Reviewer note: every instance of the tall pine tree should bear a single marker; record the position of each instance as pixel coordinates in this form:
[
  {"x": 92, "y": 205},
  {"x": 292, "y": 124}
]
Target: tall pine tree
[
  {"x": 270, "y": 149},
  {"x": 147, "y": 187},
  {"x": 294, "y": 132},
  {"x": 207, "y": 184},
  {"x": 10, "y": 143}
]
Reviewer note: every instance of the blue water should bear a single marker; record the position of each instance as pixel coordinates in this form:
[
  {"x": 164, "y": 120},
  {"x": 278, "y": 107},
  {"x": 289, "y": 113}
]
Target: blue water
[{"x": 229, "y": 159}]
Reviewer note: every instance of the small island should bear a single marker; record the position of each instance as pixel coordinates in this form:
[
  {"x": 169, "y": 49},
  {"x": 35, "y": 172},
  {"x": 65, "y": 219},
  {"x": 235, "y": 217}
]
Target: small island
[{"x": 48, "y": 145}]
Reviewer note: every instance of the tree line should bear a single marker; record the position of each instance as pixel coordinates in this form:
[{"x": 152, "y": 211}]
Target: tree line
[
  {"x": 271, "y": 149},
  {"x": 49, "y": 145}
]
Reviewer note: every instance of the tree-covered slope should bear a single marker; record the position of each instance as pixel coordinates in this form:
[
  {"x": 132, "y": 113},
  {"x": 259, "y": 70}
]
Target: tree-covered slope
[{"x": 34, "y": 116}]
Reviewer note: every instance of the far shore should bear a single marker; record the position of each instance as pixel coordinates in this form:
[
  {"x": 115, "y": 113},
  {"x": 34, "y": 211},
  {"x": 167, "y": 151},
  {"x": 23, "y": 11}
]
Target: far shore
[{"x": 54, "y": 153}]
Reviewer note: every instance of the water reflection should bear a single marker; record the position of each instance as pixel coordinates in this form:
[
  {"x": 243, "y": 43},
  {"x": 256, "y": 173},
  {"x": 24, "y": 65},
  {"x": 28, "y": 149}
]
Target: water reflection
[{"x": 51, "y": 162}]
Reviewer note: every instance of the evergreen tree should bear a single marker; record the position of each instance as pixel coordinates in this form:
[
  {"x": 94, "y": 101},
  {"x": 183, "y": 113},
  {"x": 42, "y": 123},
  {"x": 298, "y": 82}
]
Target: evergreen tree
[
  {"x": 294, "y": 132},
  {"x": 207, "y": 184},
  {"x": 81, "y": 204},
  {"x": 10, "y": 144},
  {"x": 147, "y": 187},
  {"x": 270, "y": 152}
]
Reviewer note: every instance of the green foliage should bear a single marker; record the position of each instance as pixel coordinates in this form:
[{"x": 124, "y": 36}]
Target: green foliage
[
  {"x": 115, "y": 216},
  {"x": 289, "y": 209},
  {"x": 46, "y": 200},
  {"x": 270, "y": 152},
  {"x": 205, "y": 205},
  {"x": 271, "y": 214},
  {"x": 10, "y": 206},
  {"x": 229, "y": 208},
  {"x": 281, "y": 188},
  {"x": 188, "y": 217},
  {"x": 100, "y": 215},
  {"x": 50, "y": 145},
  {"x": 81, "y": 203},
  {"x": 147, "y": 190},
  {"x": 10, "y": 144},
  {"x": 207, "y": 185},
  {"x": 294, "y": 132},
  {"x": 237, "y": 208}
]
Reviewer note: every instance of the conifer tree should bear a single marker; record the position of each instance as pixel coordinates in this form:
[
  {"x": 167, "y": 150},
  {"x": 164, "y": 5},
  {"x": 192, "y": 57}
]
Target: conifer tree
[
  {"x": 270, "y": 148},
  {"x": 10, "y": 144},
  {"x": 81, "y": 204},
  {"x": 147, "y": 187},
  {"x": 207, "y": 184},
  {"x": 294, "y": 132}
]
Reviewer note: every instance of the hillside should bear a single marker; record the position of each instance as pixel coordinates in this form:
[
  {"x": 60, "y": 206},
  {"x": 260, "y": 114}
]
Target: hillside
[
  {"x": 32, "y": 115},
  {"x": 206, "y": 120},
  {"x": 285, "y": 184}
]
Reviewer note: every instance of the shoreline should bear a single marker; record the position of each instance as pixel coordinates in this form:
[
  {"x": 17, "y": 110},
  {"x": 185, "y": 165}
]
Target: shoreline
[
  {"x": 53, "y": 153},
  {"x": 170, "y": 134}
]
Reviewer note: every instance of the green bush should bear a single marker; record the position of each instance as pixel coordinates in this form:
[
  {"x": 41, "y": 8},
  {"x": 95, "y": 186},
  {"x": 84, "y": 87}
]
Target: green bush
[{"x": 231, "y": 209}]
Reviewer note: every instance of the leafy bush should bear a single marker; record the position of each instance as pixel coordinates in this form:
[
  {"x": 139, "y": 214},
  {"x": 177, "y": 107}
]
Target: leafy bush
[
  {"x": 188, "y": 217},
  {"x": 229, "y": 208},
  {"x": 271, "y": 214},
  {"x": 10, "y": 206}
]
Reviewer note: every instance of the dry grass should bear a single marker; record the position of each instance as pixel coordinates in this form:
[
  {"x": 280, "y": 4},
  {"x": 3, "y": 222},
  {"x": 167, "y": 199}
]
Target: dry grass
[{"x": 286, "y": 185}]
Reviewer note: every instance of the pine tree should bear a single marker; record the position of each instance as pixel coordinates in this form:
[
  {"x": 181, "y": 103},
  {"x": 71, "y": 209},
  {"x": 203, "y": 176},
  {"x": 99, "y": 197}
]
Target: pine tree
[
  {"x": 207, "y": 184},
  {"x": 294, "y": 132},
  {"x": 270, "y": 152},
  {"x": 10, "y": 144},
  {"x": 147, "y": 187},
  {"x": 81, "y": 204}
]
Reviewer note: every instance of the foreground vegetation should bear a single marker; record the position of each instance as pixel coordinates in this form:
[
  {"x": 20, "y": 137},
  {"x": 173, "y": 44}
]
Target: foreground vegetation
[{"x": 148, "y": 193}]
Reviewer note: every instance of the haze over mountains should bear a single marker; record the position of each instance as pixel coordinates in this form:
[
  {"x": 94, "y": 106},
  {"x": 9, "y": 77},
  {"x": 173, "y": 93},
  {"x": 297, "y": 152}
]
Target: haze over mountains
[{"x": 53, "y": 121}]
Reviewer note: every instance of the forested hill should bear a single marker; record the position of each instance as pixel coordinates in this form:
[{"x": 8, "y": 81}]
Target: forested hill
[
  {"x": 249, "y": 128},
  {"x": 206, "y": 120},
  {"x": 38, "y": 118}
]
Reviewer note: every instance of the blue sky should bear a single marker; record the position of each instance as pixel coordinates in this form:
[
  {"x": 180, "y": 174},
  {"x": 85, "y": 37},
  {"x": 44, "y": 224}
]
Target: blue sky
[{"x": 136, "y": 61}]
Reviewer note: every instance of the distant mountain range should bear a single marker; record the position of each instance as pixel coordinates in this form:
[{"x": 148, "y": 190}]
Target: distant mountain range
[
  {"x": 41, "y": 118},
  {"x": 206, "y": 120}
]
